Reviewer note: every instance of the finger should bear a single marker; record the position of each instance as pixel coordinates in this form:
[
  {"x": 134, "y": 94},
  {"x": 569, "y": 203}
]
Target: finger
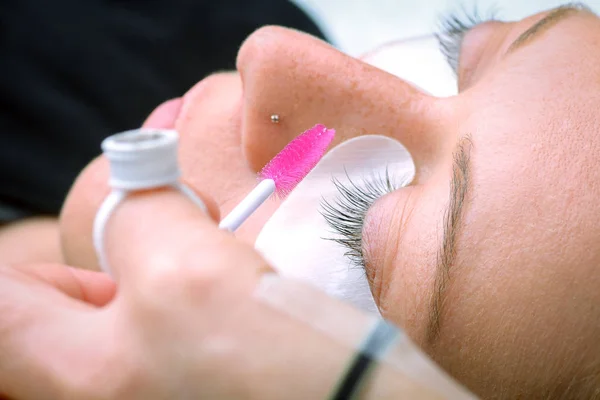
[
  {"x": 152, "y": 228},
  {"x": 161, "y": 233},
  {"x": 42, "y": 333},
  {"x": 90, "y": 190},
  {"x": 165, "y": 115},
  {"x": 90, "y": 287}
]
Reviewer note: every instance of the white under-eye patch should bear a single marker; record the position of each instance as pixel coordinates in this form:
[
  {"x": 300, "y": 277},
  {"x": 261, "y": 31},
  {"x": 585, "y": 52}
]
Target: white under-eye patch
[
  {"x": 295, "y": 239},
  {"x": 418, "y": 61}
]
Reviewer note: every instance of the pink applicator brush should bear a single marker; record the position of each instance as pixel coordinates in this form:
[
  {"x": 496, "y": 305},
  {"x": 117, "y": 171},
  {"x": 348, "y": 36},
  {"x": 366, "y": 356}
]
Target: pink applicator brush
[{"x": 282, "y": 173}]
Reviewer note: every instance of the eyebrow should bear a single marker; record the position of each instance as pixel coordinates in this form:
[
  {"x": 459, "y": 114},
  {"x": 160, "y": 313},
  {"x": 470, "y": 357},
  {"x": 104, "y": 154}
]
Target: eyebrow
[
  {"x": 553, "y": 17},
  {"x": 460, "y": 183}
]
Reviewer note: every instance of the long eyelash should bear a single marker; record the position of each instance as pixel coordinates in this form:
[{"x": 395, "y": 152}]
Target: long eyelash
[
  {"x": 345, "y": 215},
  {"x": 452, "y": 28}
]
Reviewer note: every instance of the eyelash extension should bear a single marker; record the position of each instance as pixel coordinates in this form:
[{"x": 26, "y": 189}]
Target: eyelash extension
[
  {"x": 452, "y": 28},
  {"x": 345, "y": 215}
]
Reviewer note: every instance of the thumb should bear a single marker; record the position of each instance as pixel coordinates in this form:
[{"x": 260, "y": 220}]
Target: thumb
[
  {"x": 94, "y": 288},
  {"x": 46, "y": 327}
]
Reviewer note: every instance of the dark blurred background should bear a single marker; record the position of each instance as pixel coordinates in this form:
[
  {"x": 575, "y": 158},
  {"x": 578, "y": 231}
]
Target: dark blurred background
[{"x": 75, "y": 71}]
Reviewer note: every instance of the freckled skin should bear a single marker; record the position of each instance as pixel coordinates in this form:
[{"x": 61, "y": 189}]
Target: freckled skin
[{"x": 522, "y": 308}]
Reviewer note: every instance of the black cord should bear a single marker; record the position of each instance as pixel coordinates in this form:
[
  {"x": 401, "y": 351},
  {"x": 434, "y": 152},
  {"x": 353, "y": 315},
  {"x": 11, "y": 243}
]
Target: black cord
[
  {"x": 376, "y": 343},
  {"x": 351, "y": 383}
]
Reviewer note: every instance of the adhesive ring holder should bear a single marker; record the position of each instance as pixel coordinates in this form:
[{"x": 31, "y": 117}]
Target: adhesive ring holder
[{"x": 139, "y": 159}]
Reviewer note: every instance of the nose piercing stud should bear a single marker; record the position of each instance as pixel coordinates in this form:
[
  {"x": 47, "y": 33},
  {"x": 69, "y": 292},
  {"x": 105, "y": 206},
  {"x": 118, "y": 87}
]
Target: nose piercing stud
[{"x": 275, "y": 118}]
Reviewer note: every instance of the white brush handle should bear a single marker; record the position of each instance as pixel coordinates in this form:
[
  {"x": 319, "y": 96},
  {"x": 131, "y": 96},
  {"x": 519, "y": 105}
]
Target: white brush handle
[{"x": 246, "y": 208}]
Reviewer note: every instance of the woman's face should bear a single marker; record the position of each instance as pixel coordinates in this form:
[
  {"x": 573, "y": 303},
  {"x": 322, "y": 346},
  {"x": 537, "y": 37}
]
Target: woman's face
[{"x": 490, "y": 258}]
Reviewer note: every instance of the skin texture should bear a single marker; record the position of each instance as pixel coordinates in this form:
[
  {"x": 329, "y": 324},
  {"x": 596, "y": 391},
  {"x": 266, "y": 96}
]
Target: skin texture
[
  {"x": 184, "y": 321},
  {"x": 525, "y": 274},
  {"x": 521, "y": 316}
]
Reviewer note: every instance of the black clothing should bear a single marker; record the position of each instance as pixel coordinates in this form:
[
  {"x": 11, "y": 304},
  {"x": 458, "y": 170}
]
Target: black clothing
[{"x": 73, "y": 72}]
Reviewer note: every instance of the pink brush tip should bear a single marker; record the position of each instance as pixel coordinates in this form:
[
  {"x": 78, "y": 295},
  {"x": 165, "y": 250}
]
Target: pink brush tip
[{"x": 297, "y": 159}]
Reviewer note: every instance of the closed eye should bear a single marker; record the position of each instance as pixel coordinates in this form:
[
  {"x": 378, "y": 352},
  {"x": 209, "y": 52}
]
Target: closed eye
[
  {"x": 346, "y": 214},
  {"x": 453, "y": 27}
]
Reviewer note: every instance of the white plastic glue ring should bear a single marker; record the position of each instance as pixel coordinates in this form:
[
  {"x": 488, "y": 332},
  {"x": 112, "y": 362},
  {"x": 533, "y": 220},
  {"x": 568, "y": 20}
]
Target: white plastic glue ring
[
  {"x": 142, "y": 158},
  {"x": 139, "y": 159}
]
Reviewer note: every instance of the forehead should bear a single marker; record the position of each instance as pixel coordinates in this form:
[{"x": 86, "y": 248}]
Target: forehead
[
  {"x": 548, "y": 86},
  {"x": 534, "y": 157},
  {"x": 551, "y": 43},
  {"x": 534, "y": 172}
]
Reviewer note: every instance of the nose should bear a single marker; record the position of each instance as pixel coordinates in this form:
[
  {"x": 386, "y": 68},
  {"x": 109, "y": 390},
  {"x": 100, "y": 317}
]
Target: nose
[{"x": 304, "y": 81}]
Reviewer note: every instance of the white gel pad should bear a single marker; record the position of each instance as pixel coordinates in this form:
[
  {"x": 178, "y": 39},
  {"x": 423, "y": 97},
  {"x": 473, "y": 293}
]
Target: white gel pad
[
  {"x": 293, "y": 240},
  {"x": 418, "y": 61}
]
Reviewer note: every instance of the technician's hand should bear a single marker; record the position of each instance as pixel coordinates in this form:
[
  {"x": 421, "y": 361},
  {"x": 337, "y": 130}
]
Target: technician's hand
[{"x": 183, "y": 321}]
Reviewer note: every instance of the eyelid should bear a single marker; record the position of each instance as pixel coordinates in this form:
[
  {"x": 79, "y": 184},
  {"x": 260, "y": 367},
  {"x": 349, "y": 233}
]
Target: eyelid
[
  {"x": 346, "y": 214},
  {"x": 454, "y": 26},
  {"x": 384, "y": 228},
  {"x": 456, "y": 39},
  {"x": 475, "y": 49}
]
